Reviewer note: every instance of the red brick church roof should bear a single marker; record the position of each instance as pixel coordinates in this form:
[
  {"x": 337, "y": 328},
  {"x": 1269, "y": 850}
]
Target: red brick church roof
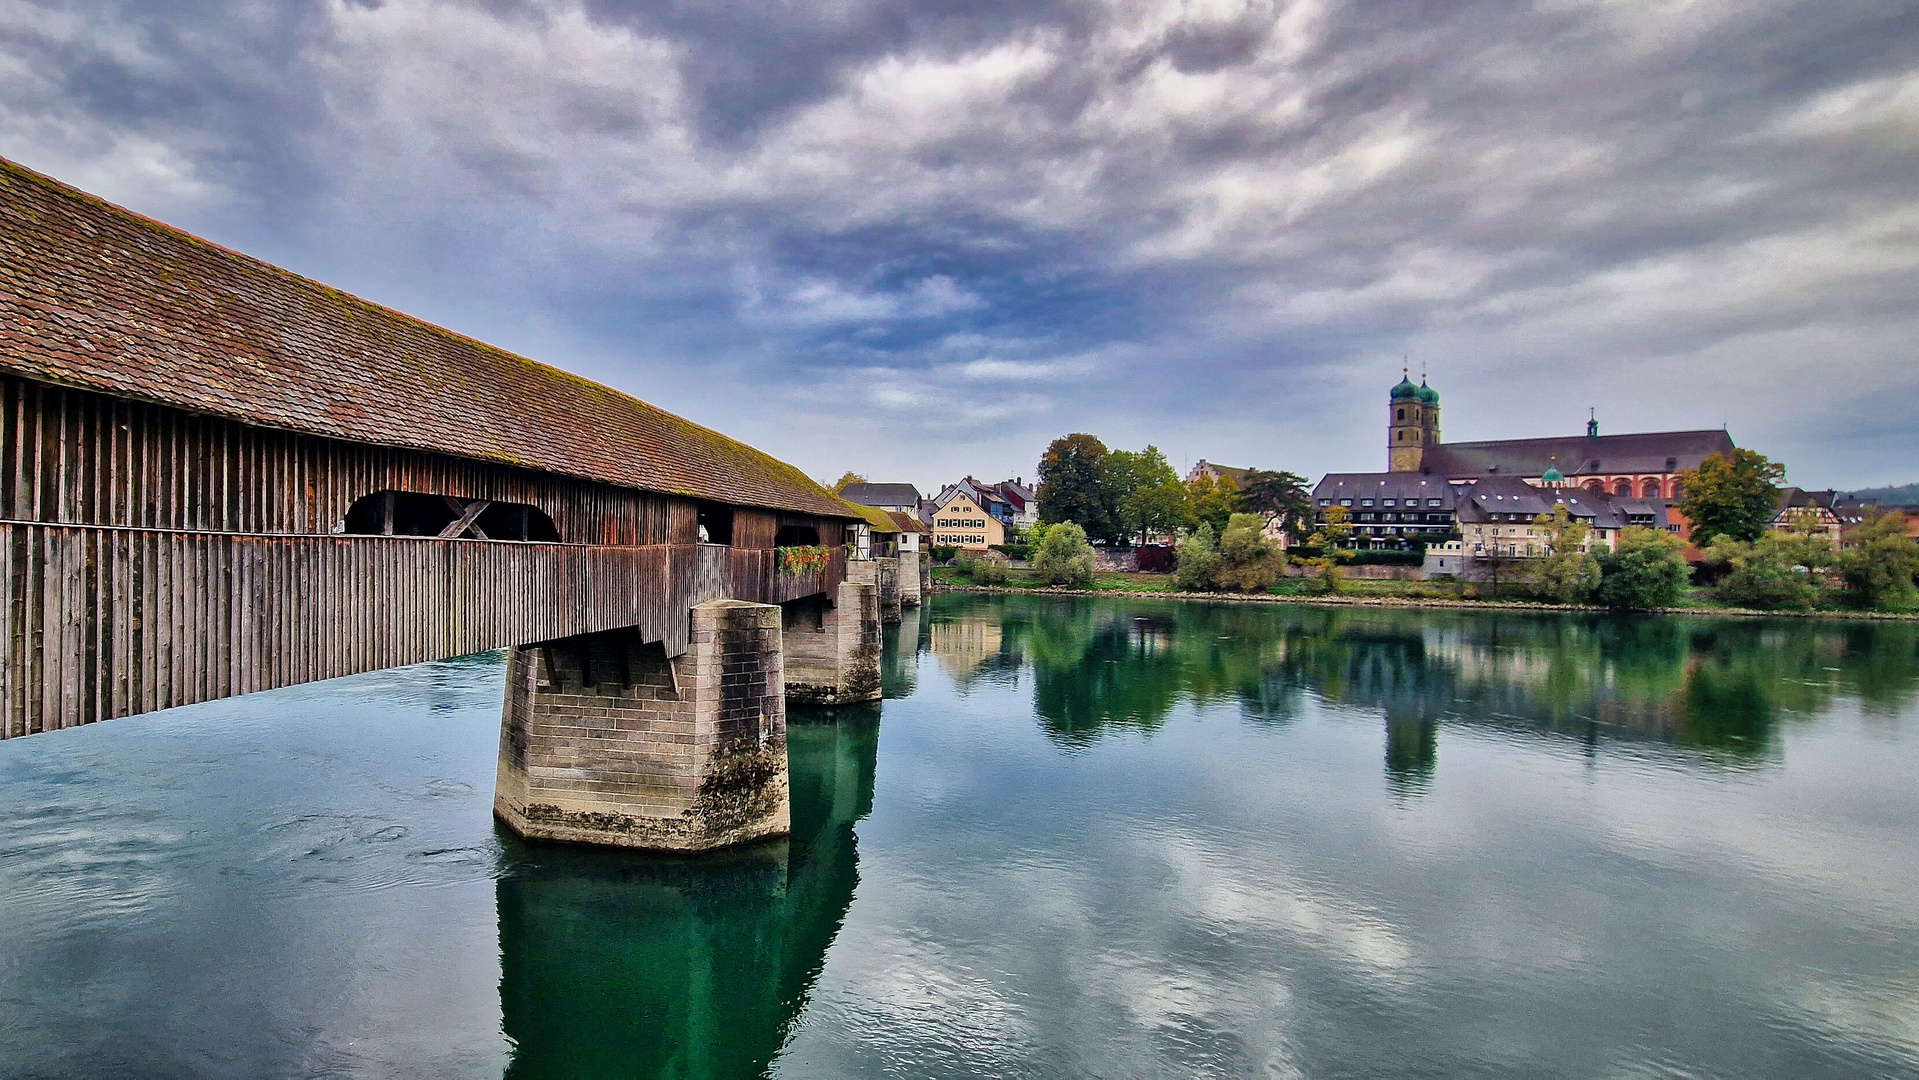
[{"x": 97, "y": 297}]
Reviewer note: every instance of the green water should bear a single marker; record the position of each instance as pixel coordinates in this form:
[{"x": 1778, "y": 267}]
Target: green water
[{"x": 1080, "y": 838}]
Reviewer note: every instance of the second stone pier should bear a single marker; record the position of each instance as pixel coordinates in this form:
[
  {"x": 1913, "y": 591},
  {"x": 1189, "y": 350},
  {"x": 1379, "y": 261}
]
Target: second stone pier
[
  {"x": 606, "y": 740},
  {"x": 832, "y": 651}
]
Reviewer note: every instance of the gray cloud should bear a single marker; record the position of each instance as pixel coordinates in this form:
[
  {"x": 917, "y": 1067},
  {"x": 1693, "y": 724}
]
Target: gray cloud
[{"x": 1214, "y": 226}]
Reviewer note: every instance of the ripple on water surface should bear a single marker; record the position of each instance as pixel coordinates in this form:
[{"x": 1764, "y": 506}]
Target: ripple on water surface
[{"x": 1080, "y": 837}]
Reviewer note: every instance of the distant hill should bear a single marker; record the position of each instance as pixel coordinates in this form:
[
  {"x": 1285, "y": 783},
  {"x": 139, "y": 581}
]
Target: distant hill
[{"x": 1905, "y": 495}]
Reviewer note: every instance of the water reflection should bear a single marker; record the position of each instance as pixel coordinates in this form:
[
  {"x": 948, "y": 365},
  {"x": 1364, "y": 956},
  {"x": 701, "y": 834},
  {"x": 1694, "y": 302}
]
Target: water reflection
[
  {"x": 614, "y": 964},
  {"x": 1718, "y": 688}
]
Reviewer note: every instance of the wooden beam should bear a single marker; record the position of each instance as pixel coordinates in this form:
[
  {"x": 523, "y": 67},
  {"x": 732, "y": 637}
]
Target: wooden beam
[
  {"x": 465, "y": 522},
  {"x": 386, "y": 519}
]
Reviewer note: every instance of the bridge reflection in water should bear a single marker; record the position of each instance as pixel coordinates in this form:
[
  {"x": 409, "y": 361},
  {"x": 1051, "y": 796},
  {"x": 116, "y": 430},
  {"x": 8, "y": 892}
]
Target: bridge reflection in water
[{"x": 621, "y": 965}]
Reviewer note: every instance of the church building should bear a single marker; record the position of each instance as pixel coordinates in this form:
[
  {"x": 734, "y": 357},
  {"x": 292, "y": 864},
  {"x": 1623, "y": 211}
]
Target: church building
[
  {"x": 1645, "y": 465},
  {"x": 1387, "y": 510}
]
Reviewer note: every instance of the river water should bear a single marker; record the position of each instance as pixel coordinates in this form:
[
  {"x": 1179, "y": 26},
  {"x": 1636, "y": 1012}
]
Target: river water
[{"x": 1079, "y": 838}]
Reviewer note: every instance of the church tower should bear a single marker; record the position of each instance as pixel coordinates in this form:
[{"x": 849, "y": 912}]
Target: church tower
[{"x": 1406, "y": 426}]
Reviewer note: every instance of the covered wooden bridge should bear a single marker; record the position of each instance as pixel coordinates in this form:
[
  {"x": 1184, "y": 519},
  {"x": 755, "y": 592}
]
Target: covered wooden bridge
[{"x": 217, "y": 477}]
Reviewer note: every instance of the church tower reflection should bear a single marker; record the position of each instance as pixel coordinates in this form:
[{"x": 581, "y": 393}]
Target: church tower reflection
[{"x": 625, "y": 965}]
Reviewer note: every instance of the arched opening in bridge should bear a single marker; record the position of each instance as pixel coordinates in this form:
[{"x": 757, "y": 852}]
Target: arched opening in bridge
[
  {"x": 807, "y": 613},
  {"x": 715, "y": 523},
  {"x": 412, "y": 513},
  {"x": 797, "y": 536}
]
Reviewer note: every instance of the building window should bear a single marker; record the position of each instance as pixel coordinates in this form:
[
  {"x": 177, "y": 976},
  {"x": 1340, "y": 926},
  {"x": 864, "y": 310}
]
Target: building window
[
  {"x": 715, "y": 523},
  {"x": 1325, "y": 502},
  {"x": 1345, "y": 502},
  {"x": 1389, "y": 502},
  {"x": 796, "y": 536},
  {"x": 413, "y": 513},
  {"x": 1402, "y": 414},
  {"x": 1365, "y": 502}
]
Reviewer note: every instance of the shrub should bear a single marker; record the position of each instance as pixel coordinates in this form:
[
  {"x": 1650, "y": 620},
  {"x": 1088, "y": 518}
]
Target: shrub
[
  {"x": 1389, "y": 558},
  {"x": 1198, "y": 561},
  {"x": 1022, "y": 552},
  {"x": 1566, "y": 577},
  {"x": 1767, "y": 586},
  {"x": 1645, "y": 572},
  {"x": 943, "y": 552},
  {"x": 1880, "y": 569},
  {"x": 1248, "y": 562},
  {"x": 1063, "y": 556},
  {"x": 984, "y": 569}
]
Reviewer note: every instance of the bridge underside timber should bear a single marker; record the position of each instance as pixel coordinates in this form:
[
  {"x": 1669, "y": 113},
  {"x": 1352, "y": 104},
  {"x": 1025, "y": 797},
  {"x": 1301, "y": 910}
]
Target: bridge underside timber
[{"x": 101, "y": 622}]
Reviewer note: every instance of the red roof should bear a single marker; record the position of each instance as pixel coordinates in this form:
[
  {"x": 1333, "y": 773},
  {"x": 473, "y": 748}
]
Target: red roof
[{"x": 95, "y": 296}]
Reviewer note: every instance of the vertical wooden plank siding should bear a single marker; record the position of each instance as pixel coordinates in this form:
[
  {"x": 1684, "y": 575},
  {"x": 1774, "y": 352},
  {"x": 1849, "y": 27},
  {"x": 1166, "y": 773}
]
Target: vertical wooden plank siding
[{"x": 151, "y": 557}]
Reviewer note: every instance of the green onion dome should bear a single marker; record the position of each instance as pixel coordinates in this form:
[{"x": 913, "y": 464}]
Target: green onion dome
[
  {"x": 1405, "y": 391},
  {"x": 1553, "y": 476},
  {"x": 1427, "y": 394}
]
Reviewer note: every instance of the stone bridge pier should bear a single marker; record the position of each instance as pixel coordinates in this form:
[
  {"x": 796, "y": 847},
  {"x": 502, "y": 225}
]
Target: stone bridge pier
[
  {"x": 883, "y": 573},
  {"x": 832, "y": 654},
  {"x": 606, "y": 740}
]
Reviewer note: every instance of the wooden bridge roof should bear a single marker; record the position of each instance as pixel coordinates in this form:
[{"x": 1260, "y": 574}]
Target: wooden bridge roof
[{"x": 96, "y": 296}]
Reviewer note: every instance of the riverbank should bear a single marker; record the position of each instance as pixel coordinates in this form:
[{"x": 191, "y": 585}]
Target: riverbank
[{"x": 1374, "y": 594}]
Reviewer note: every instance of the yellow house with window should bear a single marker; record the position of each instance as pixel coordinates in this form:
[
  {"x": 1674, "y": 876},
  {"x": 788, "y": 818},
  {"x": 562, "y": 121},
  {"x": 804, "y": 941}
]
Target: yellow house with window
[{"x": 959, "y": 522}]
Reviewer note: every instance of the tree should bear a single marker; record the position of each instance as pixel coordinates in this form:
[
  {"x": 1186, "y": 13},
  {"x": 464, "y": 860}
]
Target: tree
[
  {"x": 1278, "y": 495},
  {"x": 1073, "y": 486},
  {"x": 1331, "y": 538},
  {"x": 846, "y": 481},
  {"x": 1879, "y": 569},
  {"x": 1147, "y": 492},
  {"x": 1733, "y": 496},
  {"x": 1646, "y": 571},
  {"x": 1063, "y": 556},
  {"x": 1214, "y": 501},
  {"x": 1248, "y": 562},
  {"x": 1765, "y": 574},
  {"x": 1198, "y": 560},
  {"x": 1567, "y": 574}
]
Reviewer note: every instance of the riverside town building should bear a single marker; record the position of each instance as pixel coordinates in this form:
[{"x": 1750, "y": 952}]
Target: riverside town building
[
  {"x": 960, "y": 522},
  {"x": 1421, "y": 497}
]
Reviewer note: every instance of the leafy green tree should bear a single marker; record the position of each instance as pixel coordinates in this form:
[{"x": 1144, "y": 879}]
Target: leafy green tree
[
  {"x": 1198, "y": 560},
  {"x": 1333, "y": 539},
  {"x": 1568, "y": 574},
  {"x": 1764, "y": 575},
  {"x": 1735, "y": 496},
  {"x": 1248, "y": 562},
  {"x": 847, "y": 480},
  {"x": 1074, "y": 486},
  {"x": 1880, "y": 568},
  {"x": 1777, "y": 572},
  {"x": 1214, "y": 501},
  {"x": 1148, "y": 493},
  {"x": 1647, "y": 570},
  {"x": 1063, "y": 556},
  {"x": 1278, "y": 495}
]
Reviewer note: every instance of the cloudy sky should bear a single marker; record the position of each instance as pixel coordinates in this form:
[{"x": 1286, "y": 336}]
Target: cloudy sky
[{"x": 918, "y": 239}]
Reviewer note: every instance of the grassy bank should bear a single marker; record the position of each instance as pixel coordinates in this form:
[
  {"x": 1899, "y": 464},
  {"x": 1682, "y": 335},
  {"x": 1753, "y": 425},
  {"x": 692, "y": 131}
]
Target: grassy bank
[{"x": 1437, "y": 594}]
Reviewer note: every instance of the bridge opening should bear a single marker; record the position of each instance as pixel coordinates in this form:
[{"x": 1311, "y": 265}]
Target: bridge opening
[
  {"x": 807, "y": 613},
  {"x": 412, "y": 513},
  {"x": 797, "y": 536},
  {"x": 715, "y": 523}
]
